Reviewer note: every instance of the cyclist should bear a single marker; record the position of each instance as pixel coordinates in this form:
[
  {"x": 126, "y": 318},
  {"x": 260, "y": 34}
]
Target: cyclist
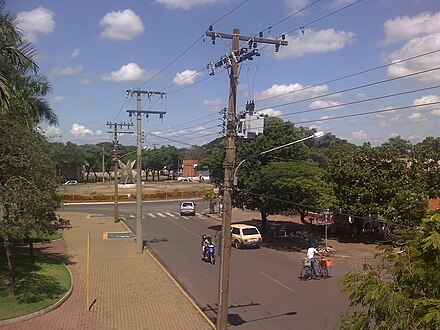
[{"x": 311, "y": 251}]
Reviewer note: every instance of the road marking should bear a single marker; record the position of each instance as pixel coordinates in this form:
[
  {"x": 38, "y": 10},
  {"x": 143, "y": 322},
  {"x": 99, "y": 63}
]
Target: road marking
[
  {"x": 277, "y": 282},
  {"x": 151, "y": 215},
  {"x": 189, "y": 231},
  {"x": 161, "y": 215},
  {"x": 171, "y": 215}
]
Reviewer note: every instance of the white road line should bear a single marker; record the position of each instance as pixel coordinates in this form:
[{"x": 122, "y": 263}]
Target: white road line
[
  {"x": 161, "y": 215},
  {"x": 277, "y": 282},
  {"x": 171, "y": 215},
  {"x": 151, "y": 215}
]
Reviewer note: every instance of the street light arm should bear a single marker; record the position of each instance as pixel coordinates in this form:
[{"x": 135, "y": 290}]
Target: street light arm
[
  {"x": 313, "y": 136},
  {"x": 316, "y": 135}
]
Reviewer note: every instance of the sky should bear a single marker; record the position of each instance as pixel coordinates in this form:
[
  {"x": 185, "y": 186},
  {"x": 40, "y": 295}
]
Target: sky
[{"x": 363, "y": 70}]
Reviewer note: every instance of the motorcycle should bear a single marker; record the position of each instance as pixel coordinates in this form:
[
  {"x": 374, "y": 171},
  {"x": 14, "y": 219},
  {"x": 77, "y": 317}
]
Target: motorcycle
[{"x": 210, "y": 254}]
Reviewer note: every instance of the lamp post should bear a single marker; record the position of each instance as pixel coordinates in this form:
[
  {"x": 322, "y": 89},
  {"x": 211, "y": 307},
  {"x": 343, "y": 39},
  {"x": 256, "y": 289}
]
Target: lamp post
[{"x": 313, "y": 136}]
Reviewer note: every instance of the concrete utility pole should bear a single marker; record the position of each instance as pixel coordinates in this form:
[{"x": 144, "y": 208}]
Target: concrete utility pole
[
  {"x": 116, "y": 168},
  {"x": 231, "y": 61},
  {"x": 139, "y": 112}
]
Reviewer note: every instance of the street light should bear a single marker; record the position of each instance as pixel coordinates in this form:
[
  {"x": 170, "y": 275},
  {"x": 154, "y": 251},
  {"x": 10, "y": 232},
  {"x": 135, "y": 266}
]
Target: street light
[
  {"x": 225, "y": 257},
  {"x": 313, "y": 136}
]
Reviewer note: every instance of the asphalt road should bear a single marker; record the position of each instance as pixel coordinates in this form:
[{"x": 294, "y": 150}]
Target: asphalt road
[{"x": 265, "y": 290}]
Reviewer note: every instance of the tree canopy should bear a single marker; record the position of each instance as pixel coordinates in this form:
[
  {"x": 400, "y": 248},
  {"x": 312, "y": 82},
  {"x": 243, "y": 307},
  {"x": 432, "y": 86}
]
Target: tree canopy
[{"x": 403, "y": 290}]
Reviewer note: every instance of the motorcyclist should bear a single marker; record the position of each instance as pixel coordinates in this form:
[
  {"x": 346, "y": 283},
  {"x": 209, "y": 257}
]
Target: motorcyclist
[
  {"x": 205, "y": 243},
  {"x": 203, "y": 246}
]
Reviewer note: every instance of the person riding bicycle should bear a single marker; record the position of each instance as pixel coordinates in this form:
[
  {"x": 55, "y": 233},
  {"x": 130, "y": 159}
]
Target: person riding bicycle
[{"x": 311, "y": 251}]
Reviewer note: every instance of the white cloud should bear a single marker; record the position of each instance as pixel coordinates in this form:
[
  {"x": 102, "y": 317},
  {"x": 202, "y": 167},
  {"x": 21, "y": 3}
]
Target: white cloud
[
  {"x": 270, "y": 112},
  {"x": 99, "y": 133},
  {"x": 294, "y": 6},
  {"x": 417, "y": 46},
  {"x": 128, "y": 72},
  {"x": 85, "y": 101},
  {"x": 57, "y": 99},
  {"x": 359, "y": 135},
  {"x": 427, "y": 99},
  {"x": 185, "y": 78},
  {"x": 52, "y": 130},
  {"x": 184, "y": 4},
  {"x": 121, "y": 25},
  {"x": 291, "y": 92},
  {"x": 67, "y": 71},
  {"x": 322, "y": 41},
  {"x": 406, "y": 28},
  {"x": 321, "y": 104},
  {"x": 435, "y": 108},
  {"x": 214, "y": 105},
  {"x": 75, "y": 53},
  {"x": 38, "y": 20},
  {"x": 85, "y": 81},
  {"x": 417, "y": 116},
  {"x": 80, "y": 130}
]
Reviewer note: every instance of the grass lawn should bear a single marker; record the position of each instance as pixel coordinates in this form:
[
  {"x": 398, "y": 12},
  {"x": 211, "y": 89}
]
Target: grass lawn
[{"x": 41, "y": 282}]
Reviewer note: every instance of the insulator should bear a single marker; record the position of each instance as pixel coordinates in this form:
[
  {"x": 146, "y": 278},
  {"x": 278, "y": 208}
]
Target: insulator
[
  {"x": 283, "y": 36},
  {"x": 255, "y": 45},
  {"x": 261, "y": 34},
  {"x": 210, "y": 28}
]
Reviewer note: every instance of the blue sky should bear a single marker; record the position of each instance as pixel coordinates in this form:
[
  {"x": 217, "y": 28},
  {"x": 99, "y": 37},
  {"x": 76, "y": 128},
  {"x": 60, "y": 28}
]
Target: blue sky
[{"x": 93, "y": 51}]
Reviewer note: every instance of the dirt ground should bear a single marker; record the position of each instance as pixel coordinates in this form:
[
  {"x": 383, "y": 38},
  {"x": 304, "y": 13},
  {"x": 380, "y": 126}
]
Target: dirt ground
[{"x": 150, "y": 186}]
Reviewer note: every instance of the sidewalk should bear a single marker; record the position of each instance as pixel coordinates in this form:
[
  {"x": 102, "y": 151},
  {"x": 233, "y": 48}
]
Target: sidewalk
[
  {"x": 343, "y": 250},
  {"x": 132, "y": 291}
]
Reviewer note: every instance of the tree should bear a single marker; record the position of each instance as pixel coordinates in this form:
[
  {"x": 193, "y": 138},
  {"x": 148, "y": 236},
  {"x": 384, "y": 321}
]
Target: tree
[
  {"x": 28, "y": 183},
  {"x": 281, "y": 186},
  {"x": 427, "y": 153},
  {"x": 403, "y": 290},
  {"x": 371, "y": 181},
  {"x": 22, "y": 89}
]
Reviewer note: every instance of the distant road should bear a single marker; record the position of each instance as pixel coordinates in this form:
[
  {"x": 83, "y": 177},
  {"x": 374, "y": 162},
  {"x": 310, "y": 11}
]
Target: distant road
[{"x": 265, "y": 292}]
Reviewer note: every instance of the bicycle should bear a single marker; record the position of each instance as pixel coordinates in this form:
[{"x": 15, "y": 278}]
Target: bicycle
[{"x": 307, "y": 271}]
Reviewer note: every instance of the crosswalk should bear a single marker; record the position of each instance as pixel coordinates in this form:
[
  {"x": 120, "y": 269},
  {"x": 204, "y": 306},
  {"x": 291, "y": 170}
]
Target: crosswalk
[{"x": 159, "y": 215}]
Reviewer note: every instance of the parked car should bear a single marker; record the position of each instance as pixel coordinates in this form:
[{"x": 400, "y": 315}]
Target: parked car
[
  {"x": 70, "y": 183},
  {"x": 183, "y": 179},
  {"x": 187, "y": 208},
  {"x": 245, "y": 235}
]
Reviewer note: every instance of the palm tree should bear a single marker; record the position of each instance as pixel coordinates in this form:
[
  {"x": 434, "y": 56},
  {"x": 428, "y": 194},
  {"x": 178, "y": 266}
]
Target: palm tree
[{"x": 22, "y": 89}]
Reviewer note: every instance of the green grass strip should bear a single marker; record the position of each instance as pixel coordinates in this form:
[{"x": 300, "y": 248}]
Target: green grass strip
[{"x": 41, "y": 282}]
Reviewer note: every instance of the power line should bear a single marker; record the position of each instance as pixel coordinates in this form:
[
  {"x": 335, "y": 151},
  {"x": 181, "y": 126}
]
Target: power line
[
  {"x": 353, "y": 88},
  {"x": 350, "y": 75}
]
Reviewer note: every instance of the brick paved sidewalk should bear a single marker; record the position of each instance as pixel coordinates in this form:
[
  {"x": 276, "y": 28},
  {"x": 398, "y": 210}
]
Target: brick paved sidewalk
[{"x": 132, "y": 291}]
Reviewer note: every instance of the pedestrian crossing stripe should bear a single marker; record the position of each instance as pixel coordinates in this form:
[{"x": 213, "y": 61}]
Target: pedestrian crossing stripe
[{"x": 173, "y": 215}]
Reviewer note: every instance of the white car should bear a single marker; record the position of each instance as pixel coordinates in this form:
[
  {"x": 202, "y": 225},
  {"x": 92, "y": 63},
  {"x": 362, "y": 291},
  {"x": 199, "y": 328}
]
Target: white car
[
  {"x": 187, "y": 208},
  {"x": 245, "y": 235},
  {"x": 183, "y": 179},
  {"x": 70, "y": 183}
]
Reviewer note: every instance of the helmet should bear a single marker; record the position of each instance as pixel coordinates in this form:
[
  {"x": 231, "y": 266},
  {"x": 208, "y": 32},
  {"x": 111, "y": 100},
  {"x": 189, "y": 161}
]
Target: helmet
[
  {"x": 209, "y": 237},
  {"x": 203, "y": 236}
]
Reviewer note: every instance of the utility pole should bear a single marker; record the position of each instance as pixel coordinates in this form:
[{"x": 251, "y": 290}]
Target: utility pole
[
  {"x": 139, "y": 112},
  {"x": 103, "y": 165},
  {"x": 231, "y": 61},
  {"x": 116, "y": 166}
]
